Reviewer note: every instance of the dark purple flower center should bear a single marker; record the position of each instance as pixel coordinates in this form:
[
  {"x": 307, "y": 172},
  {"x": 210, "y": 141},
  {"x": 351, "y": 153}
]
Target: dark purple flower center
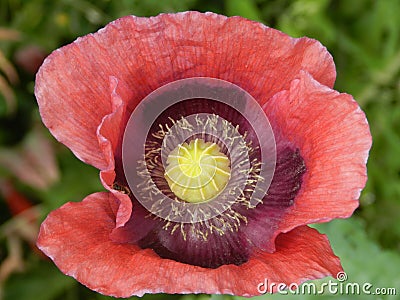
[{"x": 237, "y": 227}]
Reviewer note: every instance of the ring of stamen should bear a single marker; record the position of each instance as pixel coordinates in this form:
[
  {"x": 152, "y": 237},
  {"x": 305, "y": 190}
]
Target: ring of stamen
[
  {"x": 156, "y": 194},
  {"x": 144, "y": 166}
]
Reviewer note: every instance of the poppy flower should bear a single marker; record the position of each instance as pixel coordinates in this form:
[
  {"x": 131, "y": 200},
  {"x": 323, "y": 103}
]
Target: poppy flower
[{"x": 139, "y": 86}]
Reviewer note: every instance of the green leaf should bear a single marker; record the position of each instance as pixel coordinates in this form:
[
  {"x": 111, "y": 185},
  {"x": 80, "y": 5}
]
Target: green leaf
[
  {"x": 44, "y": 282},
  {"x": 247, "y": 9}
]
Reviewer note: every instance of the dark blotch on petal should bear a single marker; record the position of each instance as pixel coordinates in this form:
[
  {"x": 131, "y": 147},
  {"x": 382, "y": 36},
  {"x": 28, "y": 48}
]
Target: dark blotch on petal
[
  {"x": 263, "y": 221},
  {"x": 287, "y": 178},
  {"x": 216, "y": 250}
]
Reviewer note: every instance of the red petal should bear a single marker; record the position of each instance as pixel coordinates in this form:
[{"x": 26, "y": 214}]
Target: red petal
[
  {"x": 76, "y": 237},
  {"x": 72, "y": 84},
  {"x": 301, "y": 254},
  {"x": 333, "y": 136},
  {"x": 110, "y": 133},
  {"x": 71, "y": 101}
]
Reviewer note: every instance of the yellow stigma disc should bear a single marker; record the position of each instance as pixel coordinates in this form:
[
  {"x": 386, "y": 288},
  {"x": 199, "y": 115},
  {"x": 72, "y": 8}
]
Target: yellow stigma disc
[{"x": 198, "y": 171}]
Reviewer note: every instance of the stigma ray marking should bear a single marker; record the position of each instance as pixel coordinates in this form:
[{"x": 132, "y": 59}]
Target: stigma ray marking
[
  {"x": 217, "y": 169},
  {"x": 221, "y": 157},
  {"x": 181, "y": 147},
  {"x": 205, "y": 151},
  {"x": 214, "y": 184}
]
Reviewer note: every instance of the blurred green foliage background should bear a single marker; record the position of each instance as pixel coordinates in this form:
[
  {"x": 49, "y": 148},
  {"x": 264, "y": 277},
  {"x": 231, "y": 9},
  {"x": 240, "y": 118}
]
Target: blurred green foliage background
[{"x": 38, "y": 174}]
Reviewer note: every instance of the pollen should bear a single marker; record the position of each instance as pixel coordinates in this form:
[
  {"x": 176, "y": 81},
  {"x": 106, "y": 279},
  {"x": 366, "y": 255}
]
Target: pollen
[{"x": 197, "y": 171}]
